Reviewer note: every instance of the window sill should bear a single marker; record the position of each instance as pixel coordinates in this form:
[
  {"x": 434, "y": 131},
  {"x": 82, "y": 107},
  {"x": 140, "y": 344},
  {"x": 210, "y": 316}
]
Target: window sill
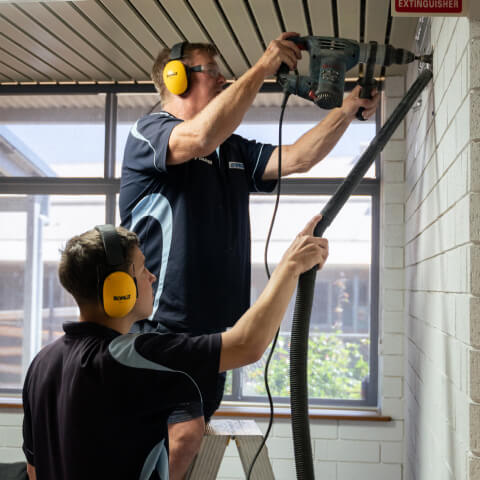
[
  {"x": 11, "y": 402},
  {"x": 256, "y": 411}
]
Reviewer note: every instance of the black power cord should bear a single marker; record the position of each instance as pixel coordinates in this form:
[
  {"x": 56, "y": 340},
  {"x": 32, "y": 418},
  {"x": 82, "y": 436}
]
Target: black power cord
[{"x": 267, "y": 243}]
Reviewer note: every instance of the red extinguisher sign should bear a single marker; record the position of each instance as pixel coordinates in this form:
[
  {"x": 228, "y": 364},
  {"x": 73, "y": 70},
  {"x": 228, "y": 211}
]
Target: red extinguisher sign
[{"x": 428, "y": 7}]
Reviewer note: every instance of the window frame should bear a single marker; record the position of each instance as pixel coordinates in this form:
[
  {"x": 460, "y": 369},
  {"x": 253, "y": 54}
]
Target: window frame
[{"x": 109, "y": 186}]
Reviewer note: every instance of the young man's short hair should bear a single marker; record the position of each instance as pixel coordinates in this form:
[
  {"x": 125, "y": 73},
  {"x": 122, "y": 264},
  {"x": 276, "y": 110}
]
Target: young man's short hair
[
  {"x": 164, "y": 57},
  {"x": 83, "y": 263}
]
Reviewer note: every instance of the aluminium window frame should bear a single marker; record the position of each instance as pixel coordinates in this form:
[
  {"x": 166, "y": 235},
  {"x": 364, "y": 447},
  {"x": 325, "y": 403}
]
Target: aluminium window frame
[{"x": 109, "y": 186}]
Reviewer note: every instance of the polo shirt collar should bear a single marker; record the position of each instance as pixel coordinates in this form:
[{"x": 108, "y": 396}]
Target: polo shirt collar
[{"x": 83, "y": 329}]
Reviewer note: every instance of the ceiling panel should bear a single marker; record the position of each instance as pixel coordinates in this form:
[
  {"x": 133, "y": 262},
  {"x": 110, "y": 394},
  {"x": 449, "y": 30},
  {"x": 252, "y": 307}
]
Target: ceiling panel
[
  {"x": 3, "y": 78},
  {"x": 42, "y": 35},
  {"x": 348, "y": 12},
  {"x": 376, "y": 19},
  {"x": 219, "y": 31},
  {"x": 118, "y": 40},
  {"x": 293, "y": 16},
  {"x": 35, "y": 48},
  {"x": 184, "y": 18},
  {"x": 111, "y": 58},
  {"x": 321, "y": 17},
  {"x": 243, "y": 28},
  {"x": 19, "y": 66},
  {"x": 46, "y": 16},
  {"x": 30, "y": 59},
  {"x": 132, "y": 22},
  {"x": 156, "y": 19},
  {"x": 96, "y": 13},
  {"x": 266, "y": 18},
  {"x": 294, "y": 19},
  {"x": 12, "y": 74}
]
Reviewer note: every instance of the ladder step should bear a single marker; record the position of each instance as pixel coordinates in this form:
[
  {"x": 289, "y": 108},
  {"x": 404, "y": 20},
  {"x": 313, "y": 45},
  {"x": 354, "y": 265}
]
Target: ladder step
[{"x": 218, "y": 433}]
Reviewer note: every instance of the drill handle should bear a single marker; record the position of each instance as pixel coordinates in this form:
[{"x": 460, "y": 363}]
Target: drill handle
[
  {"x": 365, "y": 92},
  {"x": 367, "y": 82}
]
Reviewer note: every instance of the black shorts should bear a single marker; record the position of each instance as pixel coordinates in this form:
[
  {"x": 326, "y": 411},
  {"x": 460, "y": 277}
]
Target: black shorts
[{"x": 188, "y": 411}]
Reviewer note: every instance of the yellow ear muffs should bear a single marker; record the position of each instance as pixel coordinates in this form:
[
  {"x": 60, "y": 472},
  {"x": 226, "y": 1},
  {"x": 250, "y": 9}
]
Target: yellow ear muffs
[
  {"x": 119, "y": 294},
  {"x": 175, "y": 77},
  {"x": 117, "y": 289}
]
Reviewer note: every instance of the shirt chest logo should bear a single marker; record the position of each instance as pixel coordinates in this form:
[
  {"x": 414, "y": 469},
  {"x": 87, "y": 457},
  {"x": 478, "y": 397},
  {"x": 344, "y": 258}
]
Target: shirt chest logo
[{"x": 236, "y": 165}]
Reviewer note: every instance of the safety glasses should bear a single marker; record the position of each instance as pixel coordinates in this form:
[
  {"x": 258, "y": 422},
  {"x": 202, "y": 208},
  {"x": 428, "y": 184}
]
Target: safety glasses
[{"x": 209, "y": 69}]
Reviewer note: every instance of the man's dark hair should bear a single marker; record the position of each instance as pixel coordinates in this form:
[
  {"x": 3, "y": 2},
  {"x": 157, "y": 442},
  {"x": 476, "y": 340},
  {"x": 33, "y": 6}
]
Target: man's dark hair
[
  {"x": 164, "y": 57},
  {"x": 83, "y": 262}
]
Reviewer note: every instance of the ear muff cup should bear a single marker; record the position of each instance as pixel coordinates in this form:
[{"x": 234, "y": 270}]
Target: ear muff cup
[
  {"x": 119, "y": 294},
  {"x": 117, "y": 290},
  {"x": 175, "y": 77}
]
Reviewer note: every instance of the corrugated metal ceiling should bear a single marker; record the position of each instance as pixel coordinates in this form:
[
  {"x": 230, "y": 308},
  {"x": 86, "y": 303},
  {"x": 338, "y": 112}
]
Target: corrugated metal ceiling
[{"x": 117, "y": 40}]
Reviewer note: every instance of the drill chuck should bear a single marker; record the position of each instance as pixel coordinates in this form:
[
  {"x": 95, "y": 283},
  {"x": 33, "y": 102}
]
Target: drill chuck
[{"x": 385, "y": 55}]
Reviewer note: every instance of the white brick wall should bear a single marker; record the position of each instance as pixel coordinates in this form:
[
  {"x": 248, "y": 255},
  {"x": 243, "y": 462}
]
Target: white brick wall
[
  {"x": 11, "y": 436},
  {"x": 442, "y": 423},
  {"x": 371, "y": 449}
]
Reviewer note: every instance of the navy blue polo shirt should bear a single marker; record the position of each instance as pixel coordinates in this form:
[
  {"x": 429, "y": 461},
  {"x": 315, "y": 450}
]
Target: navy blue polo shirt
[
  {"x": 96, "y": 402},
  {"x": 193, "y": 223}
]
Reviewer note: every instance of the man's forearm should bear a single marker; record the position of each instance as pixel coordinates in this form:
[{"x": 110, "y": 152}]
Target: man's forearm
[
  {"x": 312, "y": 147},
  {"x": 316, "y": 144},
  {"x": 248, "y": 339},
  {"x": 32, "y": 475}
]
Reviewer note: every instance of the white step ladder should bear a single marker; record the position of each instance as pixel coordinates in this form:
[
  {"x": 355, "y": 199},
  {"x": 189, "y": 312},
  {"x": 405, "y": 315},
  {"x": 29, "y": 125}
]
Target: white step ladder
[{"x": 218, "y": 433}]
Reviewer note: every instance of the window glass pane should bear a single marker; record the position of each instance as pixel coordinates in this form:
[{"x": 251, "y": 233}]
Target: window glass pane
[
  {"x": 130, "y": 108},
  {"x": 33, "y": 305},
  {"x": 340, "y": 320},
  {"x": 52, "y": 135}
]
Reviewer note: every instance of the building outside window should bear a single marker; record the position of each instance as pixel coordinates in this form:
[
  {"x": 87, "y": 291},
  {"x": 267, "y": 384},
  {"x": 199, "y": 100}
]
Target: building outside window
[{"x": 59, "y": 169}]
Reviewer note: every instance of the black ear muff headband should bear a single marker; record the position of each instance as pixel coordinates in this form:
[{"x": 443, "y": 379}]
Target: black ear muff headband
[
  {"x": 117, "y": 289},
  {"x": 176, "y": 74}
]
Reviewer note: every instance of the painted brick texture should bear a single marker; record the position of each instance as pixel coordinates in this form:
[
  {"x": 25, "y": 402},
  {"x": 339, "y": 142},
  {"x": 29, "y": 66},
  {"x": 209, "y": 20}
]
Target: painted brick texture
[{"x": 442, "y": 273}]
